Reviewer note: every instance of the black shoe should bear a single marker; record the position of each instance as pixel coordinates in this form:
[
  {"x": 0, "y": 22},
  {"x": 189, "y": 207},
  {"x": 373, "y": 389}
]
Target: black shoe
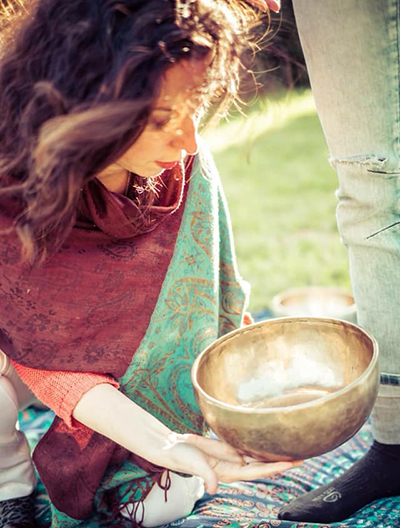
[{"x": 17, "y": 513}]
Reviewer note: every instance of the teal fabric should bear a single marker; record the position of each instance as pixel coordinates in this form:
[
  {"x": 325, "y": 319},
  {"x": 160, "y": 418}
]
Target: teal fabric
[
  {"x": 253, "y": 504},
  {"x": 202, "y": 298}
]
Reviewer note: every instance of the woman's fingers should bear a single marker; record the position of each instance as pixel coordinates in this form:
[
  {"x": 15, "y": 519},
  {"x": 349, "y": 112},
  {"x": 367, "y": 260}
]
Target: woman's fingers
[
  {"x": 249, "y": 460},
  {"x": 258, "y": 470},
  {"x": 206, "y": 472},
  {"x": 263, "y": 5},
  {"x": 215, "y": 448},
  {"x": 227, "y": 472},
  {"x": 274, "y": 5}
]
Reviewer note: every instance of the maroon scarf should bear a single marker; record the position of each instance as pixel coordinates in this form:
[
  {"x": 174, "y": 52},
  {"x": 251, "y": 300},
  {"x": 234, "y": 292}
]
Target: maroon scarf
[{"x": 87, "y": 309}]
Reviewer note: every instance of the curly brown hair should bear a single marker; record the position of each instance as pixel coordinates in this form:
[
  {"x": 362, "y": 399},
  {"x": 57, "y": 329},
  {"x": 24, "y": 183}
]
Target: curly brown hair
[{"x": 77, "y": 83}]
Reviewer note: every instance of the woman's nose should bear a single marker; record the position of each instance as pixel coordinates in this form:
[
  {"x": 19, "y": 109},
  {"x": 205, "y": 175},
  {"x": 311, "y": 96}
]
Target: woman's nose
[{"x": 186, "y": 136}]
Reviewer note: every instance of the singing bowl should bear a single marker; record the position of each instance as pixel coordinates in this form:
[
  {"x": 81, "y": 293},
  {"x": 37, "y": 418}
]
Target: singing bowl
[
  {"x": 321, "y": 301},
  {"x": 290, "y": 388}
]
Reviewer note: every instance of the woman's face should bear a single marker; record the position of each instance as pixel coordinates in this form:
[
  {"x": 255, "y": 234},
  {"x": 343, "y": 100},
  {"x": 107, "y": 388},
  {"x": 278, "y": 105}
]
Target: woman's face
[{"x": 171, "y": 131}]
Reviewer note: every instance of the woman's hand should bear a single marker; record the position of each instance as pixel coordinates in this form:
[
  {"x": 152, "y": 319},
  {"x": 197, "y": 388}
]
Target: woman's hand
[
  {"x": 109, "y": 412},
  {"x": 215, "y": 461},
  {"x": 264, "y": 5}
]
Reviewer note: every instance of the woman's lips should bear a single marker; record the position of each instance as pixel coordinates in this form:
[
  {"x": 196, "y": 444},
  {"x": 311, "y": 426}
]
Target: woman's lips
[{"x": 167, "y": 164}]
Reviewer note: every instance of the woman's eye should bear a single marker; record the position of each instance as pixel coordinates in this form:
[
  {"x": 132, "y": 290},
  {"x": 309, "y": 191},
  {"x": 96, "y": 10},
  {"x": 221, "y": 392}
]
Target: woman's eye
[{"x": 159, "y": 124}]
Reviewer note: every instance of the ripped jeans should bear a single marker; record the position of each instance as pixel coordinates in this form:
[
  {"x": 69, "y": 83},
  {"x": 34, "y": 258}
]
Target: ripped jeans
[{"x": 352, "y": 53}]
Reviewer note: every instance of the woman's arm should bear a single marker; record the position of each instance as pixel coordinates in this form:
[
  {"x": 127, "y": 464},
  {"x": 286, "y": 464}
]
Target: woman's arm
[{"x": 109, "y": 412}]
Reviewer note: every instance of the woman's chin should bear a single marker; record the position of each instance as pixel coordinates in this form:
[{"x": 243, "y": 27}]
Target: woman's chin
[{"x": 151, "y": 174}]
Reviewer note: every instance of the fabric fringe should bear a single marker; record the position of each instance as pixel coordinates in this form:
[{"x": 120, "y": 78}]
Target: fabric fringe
[{"x": 118, "y": 520}]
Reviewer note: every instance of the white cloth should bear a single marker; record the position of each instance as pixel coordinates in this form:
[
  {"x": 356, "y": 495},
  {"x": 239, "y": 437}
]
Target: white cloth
[{"x": 181, "y": 498}]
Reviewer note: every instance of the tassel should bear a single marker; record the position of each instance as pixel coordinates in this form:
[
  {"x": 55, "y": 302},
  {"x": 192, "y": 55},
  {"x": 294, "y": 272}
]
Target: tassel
[{"x": 167, "y": 484}]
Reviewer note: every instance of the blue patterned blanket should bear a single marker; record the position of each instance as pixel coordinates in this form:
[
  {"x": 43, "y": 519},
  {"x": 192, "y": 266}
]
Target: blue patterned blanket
[{"x": 256, "y": 504}]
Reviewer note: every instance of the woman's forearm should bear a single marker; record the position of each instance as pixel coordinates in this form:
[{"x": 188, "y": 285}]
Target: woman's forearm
[{"x": 109, "y": 412}]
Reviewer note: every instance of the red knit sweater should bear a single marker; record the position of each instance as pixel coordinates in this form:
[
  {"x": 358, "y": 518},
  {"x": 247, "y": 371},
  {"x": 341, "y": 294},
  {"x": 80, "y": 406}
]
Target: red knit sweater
[{"x": 61, "y": 391}]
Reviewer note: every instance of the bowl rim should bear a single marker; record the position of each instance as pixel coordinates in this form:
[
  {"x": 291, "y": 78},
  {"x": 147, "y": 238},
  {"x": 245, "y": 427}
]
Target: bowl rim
[{"x": 306, "y": 405}]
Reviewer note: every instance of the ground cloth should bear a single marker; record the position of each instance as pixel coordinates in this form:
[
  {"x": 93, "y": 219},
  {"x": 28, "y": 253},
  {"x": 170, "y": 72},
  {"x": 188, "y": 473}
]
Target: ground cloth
[{"x": 255, "y": 504}]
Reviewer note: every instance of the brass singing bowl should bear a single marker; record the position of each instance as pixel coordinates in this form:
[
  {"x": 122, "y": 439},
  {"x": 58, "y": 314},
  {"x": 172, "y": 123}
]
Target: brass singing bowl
[
  {"x": 310, "y": 301},
  {"x": 290, "y": 388}
]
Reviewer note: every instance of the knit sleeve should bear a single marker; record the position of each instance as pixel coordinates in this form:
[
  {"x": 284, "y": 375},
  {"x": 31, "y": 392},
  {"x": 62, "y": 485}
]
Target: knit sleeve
[
  {"x": 61, "y": 391},
  {"x": 247, "y": 319}
]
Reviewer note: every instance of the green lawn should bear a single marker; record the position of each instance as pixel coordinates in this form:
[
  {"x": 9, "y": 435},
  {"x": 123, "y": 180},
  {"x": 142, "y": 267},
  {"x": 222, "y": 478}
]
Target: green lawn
[{"x": 280, "y": 190}]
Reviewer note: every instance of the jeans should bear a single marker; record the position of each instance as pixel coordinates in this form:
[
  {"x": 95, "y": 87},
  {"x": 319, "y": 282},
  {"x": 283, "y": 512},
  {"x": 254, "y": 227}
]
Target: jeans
[
  {"x": 17, "y": 475},
  {"x": 352, "y": 53}
]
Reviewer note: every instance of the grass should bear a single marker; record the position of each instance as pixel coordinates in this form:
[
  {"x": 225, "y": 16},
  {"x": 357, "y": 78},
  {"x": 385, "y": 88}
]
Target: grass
[{"x": 281, "y": 194}]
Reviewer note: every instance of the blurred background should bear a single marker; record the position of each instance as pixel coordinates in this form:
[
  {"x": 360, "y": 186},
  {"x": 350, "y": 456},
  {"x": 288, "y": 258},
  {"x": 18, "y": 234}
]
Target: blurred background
[{"x": 279, "y": 184}]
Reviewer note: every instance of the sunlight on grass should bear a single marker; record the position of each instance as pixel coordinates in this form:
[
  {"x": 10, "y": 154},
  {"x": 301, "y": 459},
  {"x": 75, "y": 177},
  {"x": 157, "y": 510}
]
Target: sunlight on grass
[
  {"x": 281, "y": 193},
  {"x": 276, "y": 113}
]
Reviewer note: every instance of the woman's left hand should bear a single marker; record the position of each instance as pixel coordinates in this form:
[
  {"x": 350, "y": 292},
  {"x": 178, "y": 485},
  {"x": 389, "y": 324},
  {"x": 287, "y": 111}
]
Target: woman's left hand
[
  {"x": 264, "y": 5},
  {"x": 229, "y": 466}
]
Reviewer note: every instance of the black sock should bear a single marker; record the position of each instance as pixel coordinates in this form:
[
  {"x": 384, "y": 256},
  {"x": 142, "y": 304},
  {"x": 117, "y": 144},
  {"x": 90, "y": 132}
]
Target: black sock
[
  {"x": 17, "y": 513},
  {"x": 373, "y": 477}
]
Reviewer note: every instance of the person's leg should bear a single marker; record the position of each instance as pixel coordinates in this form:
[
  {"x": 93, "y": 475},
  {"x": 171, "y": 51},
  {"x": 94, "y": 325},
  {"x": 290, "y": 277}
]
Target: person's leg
[
  {"x": 352, "y": 53},
  {"x": 17, "y": 475}
]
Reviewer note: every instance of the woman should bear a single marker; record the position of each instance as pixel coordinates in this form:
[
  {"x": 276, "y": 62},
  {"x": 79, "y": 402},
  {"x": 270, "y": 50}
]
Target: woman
[{"x": 128, "y": 268}]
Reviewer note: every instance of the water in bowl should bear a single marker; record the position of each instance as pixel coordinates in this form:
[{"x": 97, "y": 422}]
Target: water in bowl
[
  {"x": 282, "y": 383},
  {"x": 291, "y": 397}
]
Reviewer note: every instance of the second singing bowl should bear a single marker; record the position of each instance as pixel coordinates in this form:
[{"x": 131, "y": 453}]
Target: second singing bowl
[{"x": 290, "y": 388}]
